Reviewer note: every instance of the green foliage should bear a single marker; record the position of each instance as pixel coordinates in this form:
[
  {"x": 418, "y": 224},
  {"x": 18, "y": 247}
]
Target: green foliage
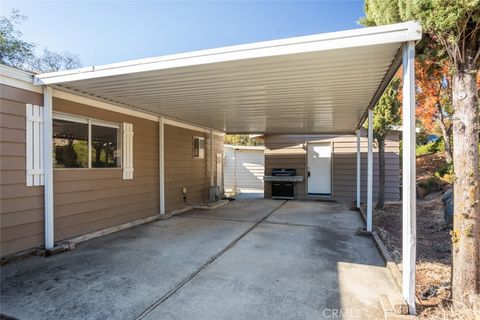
[
  {"x": 451, "y": 27},
  {"x": 380, "y": 12},
  {"x": 446, "y": 169},
  {"x": 446, "y": 173},
  {"x": 14, "y": 51},
  {"x": 386, "y": 112},
  {"x": 242, "y": 140},
  {"x": 428, "y": 148},
  {"x": 431, "y": 147}
]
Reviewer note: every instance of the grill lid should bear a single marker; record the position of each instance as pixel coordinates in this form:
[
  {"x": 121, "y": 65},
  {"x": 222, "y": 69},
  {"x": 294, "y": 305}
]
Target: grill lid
[{"x": 284, "y": 172}]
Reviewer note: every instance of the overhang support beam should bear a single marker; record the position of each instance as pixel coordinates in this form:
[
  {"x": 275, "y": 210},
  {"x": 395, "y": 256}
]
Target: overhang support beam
[
  {"x": 409, "y": 177},
  {"x": 48, "y": 166},
  {"x": 370, "y": 172}
]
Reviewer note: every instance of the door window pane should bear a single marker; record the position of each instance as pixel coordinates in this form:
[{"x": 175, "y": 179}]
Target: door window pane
[
  {"x": 70, "y": 144},
  {"x": 105, "y": 152}
]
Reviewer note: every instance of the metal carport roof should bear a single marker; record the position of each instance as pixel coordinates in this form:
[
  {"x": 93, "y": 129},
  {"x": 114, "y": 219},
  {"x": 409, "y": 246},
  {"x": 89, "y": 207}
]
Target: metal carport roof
[{"x": 313, "y": 84}]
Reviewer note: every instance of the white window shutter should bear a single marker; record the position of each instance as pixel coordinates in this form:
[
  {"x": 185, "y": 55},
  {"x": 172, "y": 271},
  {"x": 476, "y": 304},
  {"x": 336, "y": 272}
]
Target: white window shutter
[
  {"x": 127, "y": 159},
  {"x": 34, "y": 146}
]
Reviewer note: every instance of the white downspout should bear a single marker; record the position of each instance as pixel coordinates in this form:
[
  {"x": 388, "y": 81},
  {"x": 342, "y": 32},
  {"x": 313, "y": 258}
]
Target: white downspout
[
  {"x": 409, "y": 177},
  {"x": 161, "y": 163},
  {"x": 48, "y": 166},
  {"x": 370, "y": 172},
  {"x": 359, "y": 154}
]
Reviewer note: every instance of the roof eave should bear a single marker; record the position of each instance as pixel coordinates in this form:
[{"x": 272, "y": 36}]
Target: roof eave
[{"x": 401, "y": 32}]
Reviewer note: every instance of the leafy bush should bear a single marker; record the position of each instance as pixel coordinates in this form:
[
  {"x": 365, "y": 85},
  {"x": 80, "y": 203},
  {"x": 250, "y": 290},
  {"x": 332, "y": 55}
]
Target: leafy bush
[
  {"x": 431, "y": 147},
  {"x": 445, "y": 173}
]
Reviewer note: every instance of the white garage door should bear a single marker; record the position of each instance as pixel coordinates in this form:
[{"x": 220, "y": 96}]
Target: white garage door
[{"x": 244, "y": 169}]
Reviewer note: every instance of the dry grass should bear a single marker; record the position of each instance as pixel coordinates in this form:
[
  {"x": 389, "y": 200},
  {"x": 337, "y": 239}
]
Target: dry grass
[
  {"x": 433, "y": 290},
  {"x": 445, "y": 311}
]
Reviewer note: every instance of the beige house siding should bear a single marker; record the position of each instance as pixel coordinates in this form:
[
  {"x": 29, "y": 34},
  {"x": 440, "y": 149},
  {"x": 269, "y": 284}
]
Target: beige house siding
[
  {"x": 87, "y": 200},
  {"x": 21, "y": 207},
  {"x": 182, "y": 170},
  {"x": 289, "y": 151}
]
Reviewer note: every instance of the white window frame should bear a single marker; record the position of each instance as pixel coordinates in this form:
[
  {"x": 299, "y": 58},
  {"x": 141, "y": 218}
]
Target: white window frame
[
  {"x": 90, "y": 122},
  {"x": 201, "y": 151}
]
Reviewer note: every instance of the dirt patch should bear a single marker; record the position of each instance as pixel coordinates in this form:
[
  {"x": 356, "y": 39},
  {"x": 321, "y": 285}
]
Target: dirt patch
[
  {"x": 428, "y": 164},
  {"x": 433, "y": 250},
  {"x": 433, "y": 237},
  {"x": 433, "y": 272}
]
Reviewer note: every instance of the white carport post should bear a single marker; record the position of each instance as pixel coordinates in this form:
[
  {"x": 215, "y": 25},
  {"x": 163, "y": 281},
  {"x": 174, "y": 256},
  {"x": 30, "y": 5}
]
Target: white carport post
[
  {"x": 359, "y": 154},
  {"x": 161, "y": 163},
  {"x": 370, "y": 172},
  {"x": 48, "y": 166},
  {"x": 212, "y": 180},
  {"x": 408, "y": 176}
]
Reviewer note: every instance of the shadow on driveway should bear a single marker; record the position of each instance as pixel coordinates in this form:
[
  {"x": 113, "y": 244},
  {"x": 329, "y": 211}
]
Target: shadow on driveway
[{"x": 303, "y": 261}]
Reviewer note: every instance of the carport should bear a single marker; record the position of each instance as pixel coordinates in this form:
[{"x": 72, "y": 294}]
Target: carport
[{"x": 320, "y": 84}]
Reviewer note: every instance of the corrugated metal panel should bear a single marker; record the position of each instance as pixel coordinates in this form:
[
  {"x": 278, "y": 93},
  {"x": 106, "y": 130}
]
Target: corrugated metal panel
[{"x": 317, "y": 84}]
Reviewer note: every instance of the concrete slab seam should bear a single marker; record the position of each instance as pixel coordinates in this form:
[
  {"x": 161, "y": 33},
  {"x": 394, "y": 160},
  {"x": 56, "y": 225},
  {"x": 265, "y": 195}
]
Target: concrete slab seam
[{"x": 205, "y": 265}]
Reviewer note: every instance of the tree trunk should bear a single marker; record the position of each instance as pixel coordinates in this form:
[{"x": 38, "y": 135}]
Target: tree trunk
[
  {"x": 381, "y": 168},
  {"x": 466, "y": 223},
  {"x": 446, "y": 139}
]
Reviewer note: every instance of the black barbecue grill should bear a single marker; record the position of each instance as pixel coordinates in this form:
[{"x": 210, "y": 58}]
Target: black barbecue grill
[{"x": 283, "y": 183}]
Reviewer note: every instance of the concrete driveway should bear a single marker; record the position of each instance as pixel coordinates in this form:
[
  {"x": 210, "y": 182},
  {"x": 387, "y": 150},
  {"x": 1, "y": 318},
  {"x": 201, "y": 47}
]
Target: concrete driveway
[{"x": 251, "y": 259}]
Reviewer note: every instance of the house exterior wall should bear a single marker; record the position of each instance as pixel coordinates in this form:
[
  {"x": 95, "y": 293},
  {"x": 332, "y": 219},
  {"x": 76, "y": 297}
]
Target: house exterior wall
[
  {"x": 21, "y": 207},
  {"x": 88, "y": 200},
  {"x": 182, "y": 170},
  {"x": 289, "y": 151},
  {"x": 85, "y": 200}
]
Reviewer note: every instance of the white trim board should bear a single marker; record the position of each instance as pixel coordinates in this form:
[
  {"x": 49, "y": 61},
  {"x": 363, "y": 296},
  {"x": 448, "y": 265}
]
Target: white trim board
[
  {"x": 16, "y": 73},
  {"x": 393, "y": 33},
  {"x": 191, "y": 127},
  {"x": 11, "y": 80},
  {"x": 259, "y": 148}
]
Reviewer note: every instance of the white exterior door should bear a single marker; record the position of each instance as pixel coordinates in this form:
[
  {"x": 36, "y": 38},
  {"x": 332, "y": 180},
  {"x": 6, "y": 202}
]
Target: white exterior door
[{"x": 319, "y": 168}]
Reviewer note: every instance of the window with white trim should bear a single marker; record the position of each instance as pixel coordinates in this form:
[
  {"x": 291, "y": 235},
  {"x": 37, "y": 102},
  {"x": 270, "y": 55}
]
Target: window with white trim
[
  {"x": 85, "y": 143},
  {"x": 198, "y": 147}
]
